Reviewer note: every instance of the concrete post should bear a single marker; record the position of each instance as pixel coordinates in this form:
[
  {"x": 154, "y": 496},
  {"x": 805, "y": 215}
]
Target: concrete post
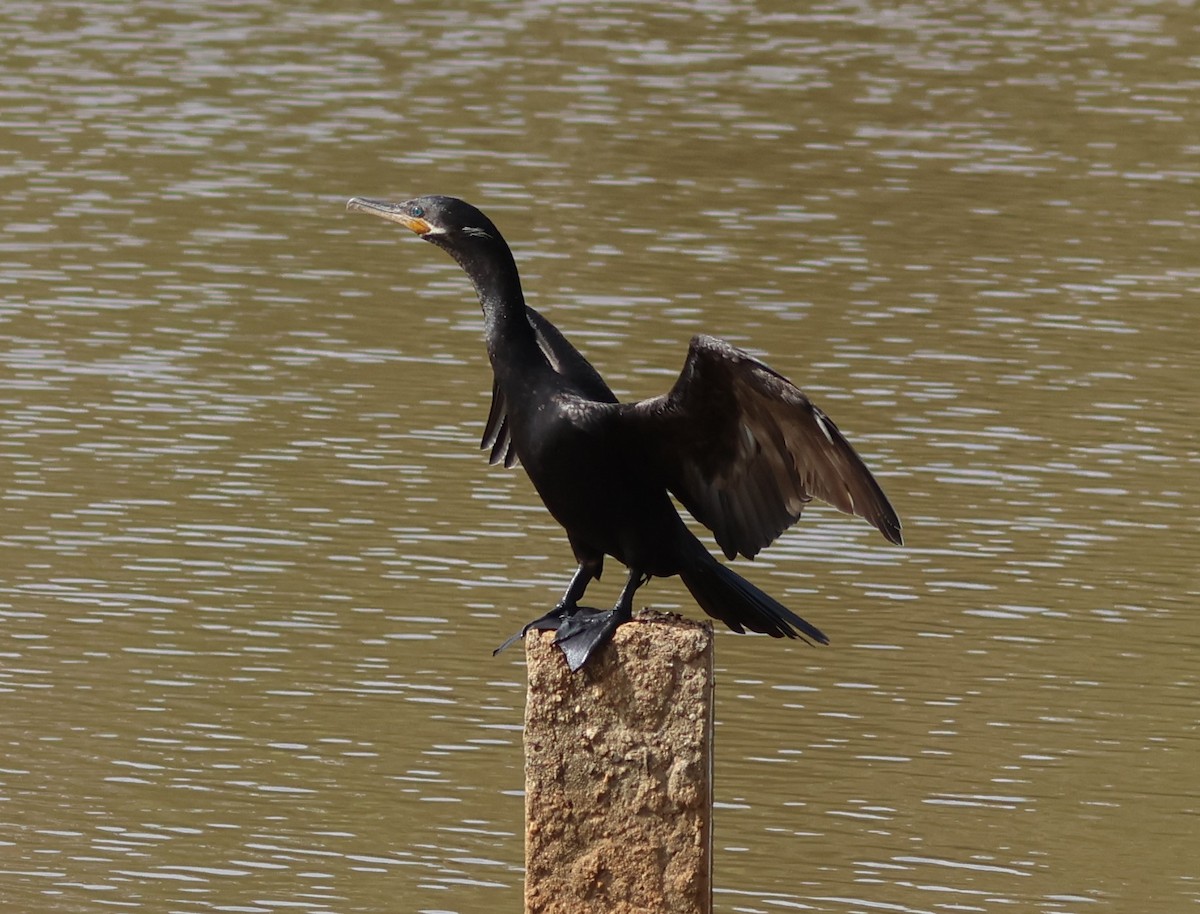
[{"x": 618, "y": 773}]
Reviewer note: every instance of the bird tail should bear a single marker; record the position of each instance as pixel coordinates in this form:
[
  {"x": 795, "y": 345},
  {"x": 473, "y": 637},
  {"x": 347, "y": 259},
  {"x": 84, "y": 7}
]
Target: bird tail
[{"x": 727, "y": 596}]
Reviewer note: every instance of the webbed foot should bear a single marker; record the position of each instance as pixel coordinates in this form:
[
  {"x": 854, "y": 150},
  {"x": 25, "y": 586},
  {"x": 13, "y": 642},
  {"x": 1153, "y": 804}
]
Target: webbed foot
[{"x": 586, "y": 631}]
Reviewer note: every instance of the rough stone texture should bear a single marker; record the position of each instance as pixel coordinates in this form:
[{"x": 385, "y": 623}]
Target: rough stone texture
[{"x": 618, "y": 773}]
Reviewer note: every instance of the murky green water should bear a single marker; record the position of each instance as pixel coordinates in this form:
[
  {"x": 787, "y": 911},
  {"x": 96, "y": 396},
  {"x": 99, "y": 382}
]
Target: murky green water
[{"x": 252, "y": 564}]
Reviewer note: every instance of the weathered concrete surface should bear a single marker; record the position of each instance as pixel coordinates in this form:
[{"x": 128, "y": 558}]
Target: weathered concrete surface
[{"x": 618, "y": 773}]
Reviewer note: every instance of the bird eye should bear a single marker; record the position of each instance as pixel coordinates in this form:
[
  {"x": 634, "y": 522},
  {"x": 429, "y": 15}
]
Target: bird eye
[{"x": 417, "y": 211}]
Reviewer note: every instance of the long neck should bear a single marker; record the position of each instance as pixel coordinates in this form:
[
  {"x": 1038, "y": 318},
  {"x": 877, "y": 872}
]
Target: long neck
[{"x": 510, "y": 339}]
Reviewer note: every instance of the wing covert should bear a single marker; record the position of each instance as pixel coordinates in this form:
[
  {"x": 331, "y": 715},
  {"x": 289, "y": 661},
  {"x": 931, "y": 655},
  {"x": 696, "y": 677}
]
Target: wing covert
[{"x": 567, "y": 361}]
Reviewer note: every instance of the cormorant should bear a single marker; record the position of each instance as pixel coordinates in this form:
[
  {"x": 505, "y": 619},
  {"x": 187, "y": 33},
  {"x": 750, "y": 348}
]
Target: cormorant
[{"x": 737, "y": 443}]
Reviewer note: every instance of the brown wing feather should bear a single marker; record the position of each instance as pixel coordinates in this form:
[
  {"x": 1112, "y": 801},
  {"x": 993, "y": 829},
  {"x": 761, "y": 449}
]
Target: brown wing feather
[{"x": 744, "y": 450}]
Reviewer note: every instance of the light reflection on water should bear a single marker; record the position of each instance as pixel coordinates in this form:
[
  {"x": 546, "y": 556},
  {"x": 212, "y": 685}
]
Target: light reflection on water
[{"x": 254, "y": 565}]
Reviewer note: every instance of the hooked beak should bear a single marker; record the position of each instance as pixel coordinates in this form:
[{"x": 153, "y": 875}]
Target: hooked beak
[{"x": 393, "y": 212}]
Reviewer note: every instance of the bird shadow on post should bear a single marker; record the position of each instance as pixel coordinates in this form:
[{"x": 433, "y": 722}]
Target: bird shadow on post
[{"x": 618, "y": 773}]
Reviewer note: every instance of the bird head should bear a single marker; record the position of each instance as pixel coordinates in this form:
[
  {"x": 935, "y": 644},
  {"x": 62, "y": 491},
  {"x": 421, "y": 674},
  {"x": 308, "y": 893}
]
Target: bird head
[{"x": 448, "y": 222}]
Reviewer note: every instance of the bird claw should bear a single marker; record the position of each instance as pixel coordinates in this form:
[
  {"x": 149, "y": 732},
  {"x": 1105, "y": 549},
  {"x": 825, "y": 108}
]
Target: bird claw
[
  {"x": 551, "y": 621},
  {"x": 581, "y": 631}
]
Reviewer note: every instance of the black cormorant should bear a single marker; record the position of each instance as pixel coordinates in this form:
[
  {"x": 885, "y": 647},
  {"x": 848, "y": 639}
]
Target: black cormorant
[{"x": 737, "y": 443}]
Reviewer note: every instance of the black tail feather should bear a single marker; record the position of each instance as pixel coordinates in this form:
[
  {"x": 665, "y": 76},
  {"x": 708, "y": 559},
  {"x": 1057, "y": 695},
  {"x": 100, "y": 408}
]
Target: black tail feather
[{"x": 727, "y": 596}]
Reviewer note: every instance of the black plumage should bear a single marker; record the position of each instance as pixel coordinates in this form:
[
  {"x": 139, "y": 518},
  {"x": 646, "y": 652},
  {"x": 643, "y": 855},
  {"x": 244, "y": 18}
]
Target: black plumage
[{"x": 737, "y": 443}]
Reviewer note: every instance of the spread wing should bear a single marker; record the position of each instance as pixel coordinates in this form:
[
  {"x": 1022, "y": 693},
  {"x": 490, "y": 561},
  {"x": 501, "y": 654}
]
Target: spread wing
[
  {"x": 744, "y": 450},
  {"x": 567, "y": 361}
]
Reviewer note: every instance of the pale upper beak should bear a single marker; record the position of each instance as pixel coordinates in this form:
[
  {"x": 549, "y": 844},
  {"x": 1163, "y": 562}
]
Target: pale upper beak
[{"x": 393, "y": 212}]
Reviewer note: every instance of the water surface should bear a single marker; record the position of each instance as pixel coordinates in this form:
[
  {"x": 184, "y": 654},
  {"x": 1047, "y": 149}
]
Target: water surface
[{"x": 253, "y": 564}]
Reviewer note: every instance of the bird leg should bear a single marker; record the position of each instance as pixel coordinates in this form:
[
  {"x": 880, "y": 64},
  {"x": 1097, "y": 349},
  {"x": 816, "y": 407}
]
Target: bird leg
[
  {"x": 585, "y": 631},
  {"x": 566, "y": 607}
]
